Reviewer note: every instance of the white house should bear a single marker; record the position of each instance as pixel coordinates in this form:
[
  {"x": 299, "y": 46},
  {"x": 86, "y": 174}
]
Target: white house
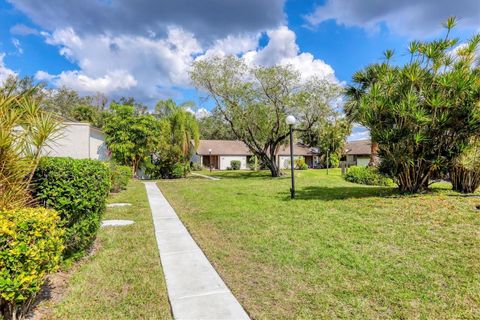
[
  {"x": 223, "y": 152},
  {"x": 358, "y": 153},
  {"x": 80, "y": 141}
]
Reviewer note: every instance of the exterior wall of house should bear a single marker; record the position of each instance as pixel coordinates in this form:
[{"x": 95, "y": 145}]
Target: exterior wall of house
[
  {"x": 74, "y": 142},
  {"x": 363, "y": 161},
  {"x": 225, "y": 162},
  {"x": 284, "y": 161},
  {"x": 79, "y": 141},
  {"x": 98, "y": 146},
  {"x": 357, "y": 160}
]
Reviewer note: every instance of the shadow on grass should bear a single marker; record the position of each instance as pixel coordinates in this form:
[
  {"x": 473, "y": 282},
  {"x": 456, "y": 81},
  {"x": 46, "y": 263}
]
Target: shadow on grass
[
  {"x": 342, "y": 193},
  {"x": 241, "y": 174}
]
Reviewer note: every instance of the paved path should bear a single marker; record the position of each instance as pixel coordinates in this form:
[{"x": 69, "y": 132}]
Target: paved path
[
  {"x": 203, "y": 176},
  {"x": 195, "y": 289}
]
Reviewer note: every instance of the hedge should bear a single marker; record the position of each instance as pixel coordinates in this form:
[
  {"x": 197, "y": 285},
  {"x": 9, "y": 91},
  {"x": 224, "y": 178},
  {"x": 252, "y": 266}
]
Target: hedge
[
  {"x": 119, "y": 177},
  {"x": 77, "y": 190},
  {"x": 367, "y": 175},
  {"x": 235, "y": 164},
  {"x": 30, "y": 248}
]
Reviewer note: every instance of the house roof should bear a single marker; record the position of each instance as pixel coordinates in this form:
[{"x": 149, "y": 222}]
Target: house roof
[
  {"x": 360, "y": 147},
  {"x": 223, "y": 147},
  {"x": 238, "y": 148}
]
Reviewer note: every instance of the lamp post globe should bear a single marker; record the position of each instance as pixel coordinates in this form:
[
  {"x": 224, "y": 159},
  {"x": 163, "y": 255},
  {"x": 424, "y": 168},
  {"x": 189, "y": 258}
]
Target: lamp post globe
[{"x": 290, "y": 120}]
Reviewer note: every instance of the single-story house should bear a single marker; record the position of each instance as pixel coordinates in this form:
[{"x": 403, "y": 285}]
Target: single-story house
[
  {"x": 80, "y": 141},
  {"x": 223, "y": 152},
  {"x": 357, "y": 153}
]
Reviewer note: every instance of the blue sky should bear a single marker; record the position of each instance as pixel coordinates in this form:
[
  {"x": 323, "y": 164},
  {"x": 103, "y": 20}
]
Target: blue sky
[{"x": 144, "y": 48}]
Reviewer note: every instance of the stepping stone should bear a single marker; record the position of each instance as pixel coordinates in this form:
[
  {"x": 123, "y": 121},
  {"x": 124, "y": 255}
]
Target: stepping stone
[
  {"x": 116, "y": 223},
  {"x": 115, "y": 205}
]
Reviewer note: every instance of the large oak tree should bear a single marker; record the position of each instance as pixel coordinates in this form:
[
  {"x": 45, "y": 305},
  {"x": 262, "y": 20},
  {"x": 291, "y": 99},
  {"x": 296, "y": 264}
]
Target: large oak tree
[{"x": 255, "y": 101}]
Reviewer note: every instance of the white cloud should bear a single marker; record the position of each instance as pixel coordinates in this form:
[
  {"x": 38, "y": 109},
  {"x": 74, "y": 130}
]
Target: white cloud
[
  {"x": 151, "y": 68},
  {"x": 282, "y": 49},
  {"x": 407, "y": 17},
  {"x": 23, "y": 30},
  {"x": 16, "y": 43},
  {"x": 4, "y": 71},
  {"x": 359, "y": 133},
  {"x": 200, "y": 113},
  {"x": 112, "y": 81}
]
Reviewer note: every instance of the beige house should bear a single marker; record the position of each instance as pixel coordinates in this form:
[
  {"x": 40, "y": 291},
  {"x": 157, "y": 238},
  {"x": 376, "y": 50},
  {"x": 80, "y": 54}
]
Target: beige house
[
  {"x": 358, "y": 153},
  {"x": 223, "y": 152},
  {"x": 80, "y": 141}
]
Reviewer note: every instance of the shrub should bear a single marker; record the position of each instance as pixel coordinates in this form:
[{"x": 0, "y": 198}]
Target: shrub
[
  {"x": 253, "y": 163},
  {"x": 235, "y": 164},
  {"x": 77, "y": 189},
  {"x": 300, "y": 164},
  {"x": 334, "y": 160},
  {"x": 119, "y": 177},
  {"x": 31, "y": 247},
  {"x": 367, "y": 175},
  {"x": 196, "y": 166},
  {"x": 179, "y": 170}
]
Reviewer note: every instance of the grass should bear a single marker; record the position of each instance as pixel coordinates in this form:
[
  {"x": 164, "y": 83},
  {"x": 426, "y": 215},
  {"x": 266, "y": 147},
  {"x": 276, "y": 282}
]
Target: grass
[
  {"x": 340, "y": 250},
  {"x": 123, "y": 279}
]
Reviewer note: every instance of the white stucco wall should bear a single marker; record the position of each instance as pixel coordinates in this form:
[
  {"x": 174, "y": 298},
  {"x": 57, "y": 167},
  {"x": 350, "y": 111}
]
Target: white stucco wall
[
  {"x": 79, "y": 141},
  {"x": 74, "y": 142},
  {"x": 284, "y": 161},
  {"x": 225, "y": 162},
  {"x": 363, "y": 161},
  {"x": 98, "y": 146}
]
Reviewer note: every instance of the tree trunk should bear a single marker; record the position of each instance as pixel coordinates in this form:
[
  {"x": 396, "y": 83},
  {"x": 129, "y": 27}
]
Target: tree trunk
[
  {"x": 414, "y": 178},
  {"x": 464, "y": 180},
  {"x": 271, "y": 164},
  {"x": 374, "y": 161}
]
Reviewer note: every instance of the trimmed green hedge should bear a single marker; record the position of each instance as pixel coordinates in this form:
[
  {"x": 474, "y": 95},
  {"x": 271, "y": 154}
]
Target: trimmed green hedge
[
  {"x": 120, "y": 176},
  {"x": 30, "y": 248},
  {"x": 367, "y": 175},
  {"x": 235, "y": 164},
  {"x": 77, "y": 190}
]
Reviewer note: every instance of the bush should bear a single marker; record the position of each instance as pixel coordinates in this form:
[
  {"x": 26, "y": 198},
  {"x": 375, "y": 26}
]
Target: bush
[
  {"x": 31, "y": 247},
  {"x": 119, "y": 177},
  {"x": 300, "y": 164},
  {"x": 77, "y": 189},
  {"x": 235, "y": 164},
  {"x": 179, "y": 171},
  {"x": 253, "y": 163},
  {"x": 334, "y": 160},
  {"x": 196, "y": 166},
  {"x": 367, "y": 175}
]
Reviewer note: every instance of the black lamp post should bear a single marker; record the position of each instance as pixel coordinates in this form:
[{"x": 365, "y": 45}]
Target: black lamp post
[
  {"x": 210, "y": 159},
  {"x": 290, "y": 120}
]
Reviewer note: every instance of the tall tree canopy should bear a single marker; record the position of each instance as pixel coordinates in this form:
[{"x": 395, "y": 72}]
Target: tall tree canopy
[
  {"x": 421, "y": 114},
  {"x": 131, "y": 137},
  {"x": 179, "y": 139},
  {"x": 255, "y": 101},
  {"x": 214, "y": 127}
]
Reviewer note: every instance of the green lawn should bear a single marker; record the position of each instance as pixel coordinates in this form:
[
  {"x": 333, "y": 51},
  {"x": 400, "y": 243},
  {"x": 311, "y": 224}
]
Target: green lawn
[
  {"x": 123, "y": 279},
  {"x": 338, "y": 250}
]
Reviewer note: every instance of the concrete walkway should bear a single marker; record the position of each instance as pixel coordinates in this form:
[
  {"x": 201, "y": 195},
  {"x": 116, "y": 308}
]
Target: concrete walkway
[{"x": 195, "y": 289}]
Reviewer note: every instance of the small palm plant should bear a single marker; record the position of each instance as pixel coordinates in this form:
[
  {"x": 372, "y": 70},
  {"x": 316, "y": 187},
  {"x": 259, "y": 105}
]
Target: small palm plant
[
  {"x": 465, "y": 170},
  {"x": 421, "y": 114},
  {"x": 25, "y": 131}
]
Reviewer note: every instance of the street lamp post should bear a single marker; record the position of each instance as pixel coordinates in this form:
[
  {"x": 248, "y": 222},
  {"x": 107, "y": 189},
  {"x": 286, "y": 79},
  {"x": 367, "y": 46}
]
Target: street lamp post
[
  {"x": 290, "y": 120},
  {"x": 210, "y": 159}
]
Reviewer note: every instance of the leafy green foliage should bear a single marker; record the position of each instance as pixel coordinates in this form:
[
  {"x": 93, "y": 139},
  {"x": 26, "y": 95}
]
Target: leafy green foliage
[
  {"x": 465, "y": 170},
  {"x": 130, "y": 137},
  {"x": 178, "y": 129},
  {"x": 368, "y": 176},
  {"x": 25, "y": 130},
  {"x": 421, "y": 114},
  {"x": 77, "y": 190},
  {"x": 300, "y": 164},
  {"x": 235, "y": 164},
  {"x": 30, "y": 248},
  {"x": 119, "y": 177},
  {"x": 254, "y": 102},
  {"x": 214, "y": 127},
  {"x": 196, "y": 166},
  {"x": 253, "y": 163}
]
